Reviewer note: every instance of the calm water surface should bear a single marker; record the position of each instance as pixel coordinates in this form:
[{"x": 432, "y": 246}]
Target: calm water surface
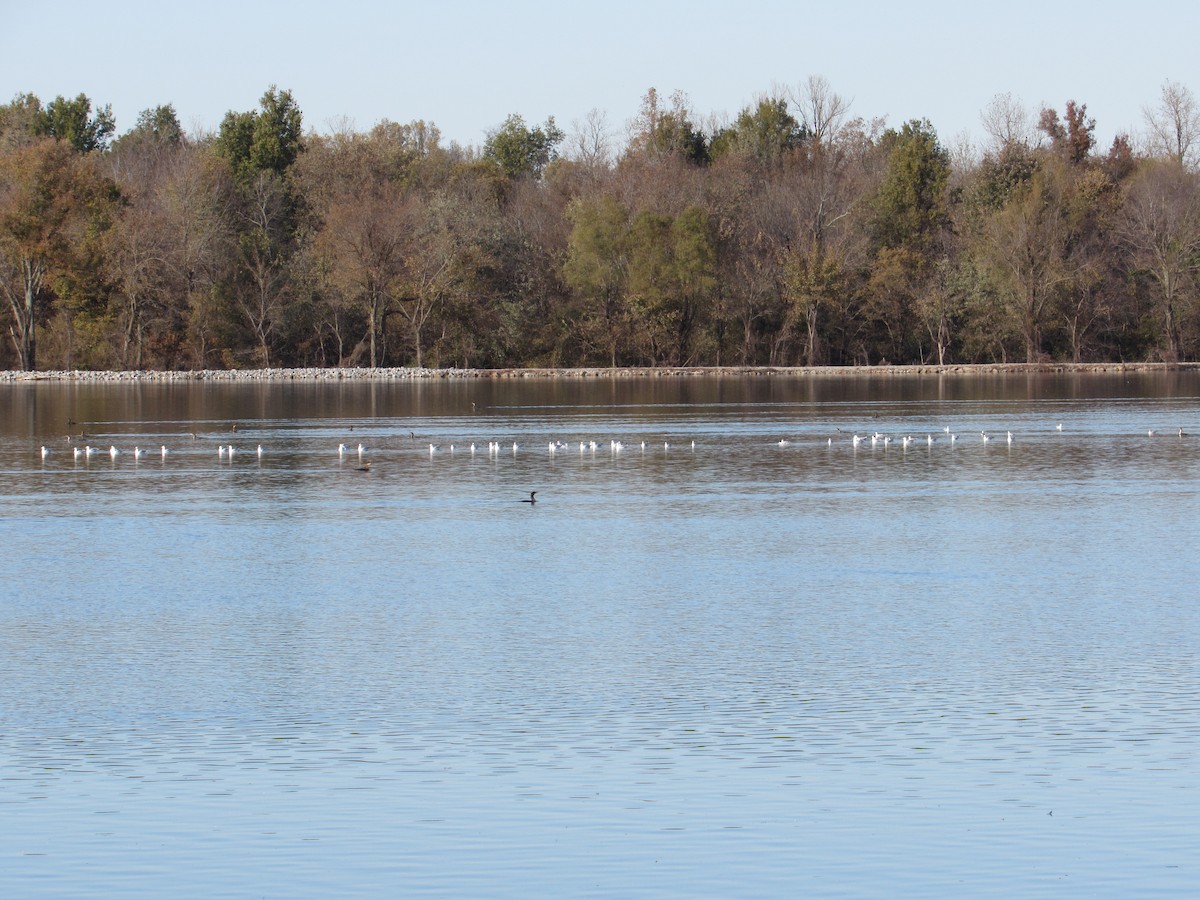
[{"x": 770, "y": 663}]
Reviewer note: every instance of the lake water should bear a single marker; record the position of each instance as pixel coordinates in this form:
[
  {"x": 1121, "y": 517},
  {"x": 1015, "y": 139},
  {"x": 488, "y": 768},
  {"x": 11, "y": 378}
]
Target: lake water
[{"x": 735, "y": 668}]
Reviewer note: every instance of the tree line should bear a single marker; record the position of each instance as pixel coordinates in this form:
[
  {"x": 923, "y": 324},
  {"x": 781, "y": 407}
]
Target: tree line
[{"x": 792, "y": 234}]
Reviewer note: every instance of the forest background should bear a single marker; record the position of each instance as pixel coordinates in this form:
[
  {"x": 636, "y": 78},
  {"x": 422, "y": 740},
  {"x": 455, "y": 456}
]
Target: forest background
[{"x": 796, "y": 233}]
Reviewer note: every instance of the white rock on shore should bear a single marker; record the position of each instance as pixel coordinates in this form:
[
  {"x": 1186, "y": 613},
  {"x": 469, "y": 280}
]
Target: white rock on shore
[{"x": 410, "y": 374}]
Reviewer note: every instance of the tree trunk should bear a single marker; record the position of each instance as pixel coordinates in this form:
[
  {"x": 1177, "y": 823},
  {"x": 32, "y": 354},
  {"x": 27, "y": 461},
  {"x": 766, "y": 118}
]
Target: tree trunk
[
  {"x": 33, "y": 273},
  {"x": 811, "y": 349}
]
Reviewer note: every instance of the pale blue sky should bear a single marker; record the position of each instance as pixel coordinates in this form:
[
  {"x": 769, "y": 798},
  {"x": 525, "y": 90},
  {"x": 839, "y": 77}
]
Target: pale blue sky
[{"x": 467, "y": 65}]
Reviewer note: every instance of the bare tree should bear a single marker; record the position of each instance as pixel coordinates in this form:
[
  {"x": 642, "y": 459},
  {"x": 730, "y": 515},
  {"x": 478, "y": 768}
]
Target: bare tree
[
  {"x": 362, "y": 239},
  {"x": 826, "y": 187},
  {"x": 1174, "y": 125},
  {"x": 1039, "y": 247},
  {"x": 1023, "y": 246},
  {"x": 260, "y": 293},
  {"x": 1161, "y": 227},
  {"x": 1008, "y": 123},
  {"x": 822, "y": 110},
  {"x": 590, "y": 142}
]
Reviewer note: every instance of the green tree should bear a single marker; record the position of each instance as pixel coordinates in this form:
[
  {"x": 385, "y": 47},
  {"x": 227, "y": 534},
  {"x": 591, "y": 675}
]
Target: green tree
[
  {"x": 765, "y": 133},
  {"x": 261, "y": 148},
  {"x": 73, "y": 121},
  {"x": 911, "y": 207},
  {"x": 521, "y": 151},
  {"x": 910, "y": 214},
  {"x": 597, "y": 268},
  {"x": 694, "y": 276},
  {"x": 48, "y": 198},
  {"x": 159, "y": 125},
  {"x": 662, "y": 132},
  {"x": 268, "y": 140},
  {"x": 816, "y": 285},
  {"x": 672, "y": 275},
  {"x": 69, "y": 120}
]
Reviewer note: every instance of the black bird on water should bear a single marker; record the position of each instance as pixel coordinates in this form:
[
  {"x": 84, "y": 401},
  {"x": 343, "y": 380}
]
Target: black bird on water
[
  {"x": 365, "y": 467},
  {"x": 532, "y": 497}
]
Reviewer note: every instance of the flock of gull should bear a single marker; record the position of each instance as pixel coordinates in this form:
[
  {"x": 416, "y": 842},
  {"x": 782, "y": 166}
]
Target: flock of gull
[{"x": 227, "y": 451}]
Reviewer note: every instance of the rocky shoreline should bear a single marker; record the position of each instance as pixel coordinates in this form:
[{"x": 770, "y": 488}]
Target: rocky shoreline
[{"x": 410, "y": 374}]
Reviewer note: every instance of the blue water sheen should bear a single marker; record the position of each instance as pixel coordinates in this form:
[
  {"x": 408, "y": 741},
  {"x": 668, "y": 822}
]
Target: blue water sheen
[{"x": 742, "y": 667}]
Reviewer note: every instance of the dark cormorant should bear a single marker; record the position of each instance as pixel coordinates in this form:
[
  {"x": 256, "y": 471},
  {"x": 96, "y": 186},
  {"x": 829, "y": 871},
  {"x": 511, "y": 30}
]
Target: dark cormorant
[{"x": 532, "y": 497}]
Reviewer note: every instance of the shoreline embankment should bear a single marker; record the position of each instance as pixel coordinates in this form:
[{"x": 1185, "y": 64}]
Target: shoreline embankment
[{"x": 412, "y": 374}]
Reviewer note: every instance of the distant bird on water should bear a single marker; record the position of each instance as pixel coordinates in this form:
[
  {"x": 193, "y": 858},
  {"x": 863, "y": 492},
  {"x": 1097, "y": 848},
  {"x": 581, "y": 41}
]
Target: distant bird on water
[
  {"x": 365, "y": 467},
  {"x": 532, "y": 497}
]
